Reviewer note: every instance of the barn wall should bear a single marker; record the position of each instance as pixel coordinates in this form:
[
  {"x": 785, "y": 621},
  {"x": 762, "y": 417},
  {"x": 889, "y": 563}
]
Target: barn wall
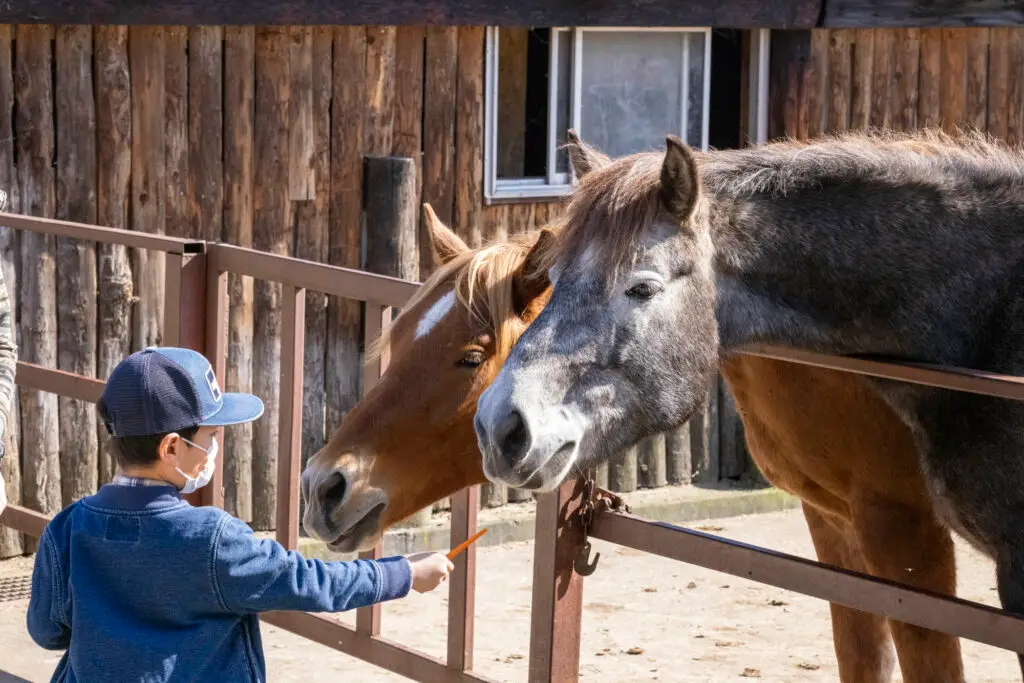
[{"x": 834, "y": 80}]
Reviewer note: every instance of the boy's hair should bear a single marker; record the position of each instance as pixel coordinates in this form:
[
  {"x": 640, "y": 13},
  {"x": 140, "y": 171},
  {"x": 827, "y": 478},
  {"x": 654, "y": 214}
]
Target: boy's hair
[{"x": 135, "y": 451}]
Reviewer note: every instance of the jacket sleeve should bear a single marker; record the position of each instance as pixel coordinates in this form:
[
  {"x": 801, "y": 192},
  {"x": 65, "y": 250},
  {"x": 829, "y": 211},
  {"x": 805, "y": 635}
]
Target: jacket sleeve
[
  {"x": 48, "y": 623},
  {"x": 8, "y": 355},
  {"x": 252, "y": 575}
]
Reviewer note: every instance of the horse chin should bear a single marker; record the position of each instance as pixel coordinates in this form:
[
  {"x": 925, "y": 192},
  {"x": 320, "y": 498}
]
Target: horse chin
[
  {"x": 546, "y": 477},
  {"x": 363, "y": 535}
]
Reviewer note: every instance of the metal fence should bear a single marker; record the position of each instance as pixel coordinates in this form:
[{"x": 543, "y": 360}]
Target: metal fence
[{"x": 196, "y": 317}]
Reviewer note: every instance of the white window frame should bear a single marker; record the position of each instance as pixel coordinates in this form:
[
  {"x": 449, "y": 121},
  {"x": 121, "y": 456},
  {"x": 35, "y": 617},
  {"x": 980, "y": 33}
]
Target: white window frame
[
  {"x": 757, "y": 93},
  {"x": 560, "y": 184}
]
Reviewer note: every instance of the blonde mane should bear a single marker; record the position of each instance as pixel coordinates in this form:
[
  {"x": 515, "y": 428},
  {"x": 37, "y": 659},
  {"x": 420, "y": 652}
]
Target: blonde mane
[
  {"x": 613, "y": 205},
  {"x": 483, "y": 280}
]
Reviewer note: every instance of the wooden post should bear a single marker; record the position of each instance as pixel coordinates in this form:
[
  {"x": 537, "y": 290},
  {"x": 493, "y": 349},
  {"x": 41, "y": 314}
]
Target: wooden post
[
  {"x": 38, "y": 344},
  {"x": 704, "y": 439},
  {"x": 272, "y": 233},
  {"x": 651, "y": 462},
  {"x": 114, "y": 135},
  {"x": 439, "y": 113},
  {"x": 622, "y": 471},
  {"x": 391, "y": 214},
  {"x": 11, "y": 542},
  {"x": 239, "y": 58},
  {"x": 343, "y": 377},
  {"x": 309, "y": 177},
  {"x": 678, "y": 462},
  {"x": 731, "y": 452},
  {"x": 557, "y": 606},
  {"x": 177, "y": 201},
  {"x": 76, "y": 259},
  {"x": 147, "y": 52}
]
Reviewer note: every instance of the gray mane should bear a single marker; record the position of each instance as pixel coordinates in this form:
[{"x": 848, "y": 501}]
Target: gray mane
[{"x": 928, "y": 156}]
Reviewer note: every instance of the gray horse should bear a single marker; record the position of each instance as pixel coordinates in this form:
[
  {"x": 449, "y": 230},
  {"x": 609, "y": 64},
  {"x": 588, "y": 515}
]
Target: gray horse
[{"x": 898, "y": 245}]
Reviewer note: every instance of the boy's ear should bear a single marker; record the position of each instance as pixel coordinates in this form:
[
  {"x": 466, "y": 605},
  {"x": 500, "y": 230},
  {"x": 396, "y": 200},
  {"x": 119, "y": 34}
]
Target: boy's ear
[{"x": 168, "y": 445}]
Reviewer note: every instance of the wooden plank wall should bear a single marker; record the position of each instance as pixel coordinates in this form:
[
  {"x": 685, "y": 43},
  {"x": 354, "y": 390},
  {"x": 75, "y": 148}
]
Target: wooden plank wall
[{"x": 833, "y": 80}]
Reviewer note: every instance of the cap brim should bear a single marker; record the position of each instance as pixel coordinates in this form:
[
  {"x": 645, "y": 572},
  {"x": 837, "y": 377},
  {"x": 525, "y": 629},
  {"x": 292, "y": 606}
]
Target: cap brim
[{"x": 236, "y": 409}]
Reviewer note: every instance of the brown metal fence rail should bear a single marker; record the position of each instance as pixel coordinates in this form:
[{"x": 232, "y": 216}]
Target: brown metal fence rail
[{"x": 196, "y": 317}]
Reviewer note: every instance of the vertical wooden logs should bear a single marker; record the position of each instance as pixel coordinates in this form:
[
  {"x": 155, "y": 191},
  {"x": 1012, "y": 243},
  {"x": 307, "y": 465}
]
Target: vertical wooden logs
[
  {"x": 678, "y": 457},
  {"x": 239, "y": 69},
  {"x": 113, "y": 173},
  {"x": 11, "y": 542},
  {"x": 147, "y": 52},
  {"x": 651, "y": 462},
  {"x": 76, "y": 259},
  {"x": 271, "y": 233},
  {"x": 34, "y": 134},
  {"x": 344, "y": 375}
]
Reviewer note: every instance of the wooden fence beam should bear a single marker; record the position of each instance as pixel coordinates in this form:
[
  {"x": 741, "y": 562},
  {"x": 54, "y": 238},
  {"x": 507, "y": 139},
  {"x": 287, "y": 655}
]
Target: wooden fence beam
[{"x": 723, "y": 13}]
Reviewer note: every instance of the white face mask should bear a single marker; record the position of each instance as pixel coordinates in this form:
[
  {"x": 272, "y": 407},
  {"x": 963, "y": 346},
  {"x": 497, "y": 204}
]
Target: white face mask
[{"x": 193, "y": 484}]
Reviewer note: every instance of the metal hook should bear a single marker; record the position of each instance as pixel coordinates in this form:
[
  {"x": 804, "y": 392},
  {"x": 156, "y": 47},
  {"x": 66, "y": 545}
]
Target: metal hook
[{"x": 582, "y": 564}]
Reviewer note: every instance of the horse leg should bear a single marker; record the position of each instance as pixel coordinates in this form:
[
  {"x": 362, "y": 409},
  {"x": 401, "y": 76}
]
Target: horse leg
[
  {"x": 909, "y": 545},
  {"x": 862, "y": 643}
]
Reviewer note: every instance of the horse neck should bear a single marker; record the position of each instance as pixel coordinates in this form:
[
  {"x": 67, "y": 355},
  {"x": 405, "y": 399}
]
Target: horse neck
[{"x": 861, "y": 269}]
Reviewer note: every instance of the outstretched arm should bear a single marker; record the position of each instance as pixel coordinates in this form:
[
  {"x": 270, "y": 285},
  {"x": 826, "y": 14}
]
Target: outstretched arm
[{"x": 256, "y": 575}]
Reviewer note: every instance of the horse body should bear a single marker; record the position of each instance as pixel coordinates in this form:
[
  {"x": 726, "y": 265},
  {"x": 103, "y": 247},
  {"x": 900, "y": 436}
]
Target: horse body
[
  {"x": 816, "y": 433},
  {"x": 899, "y": 246}
]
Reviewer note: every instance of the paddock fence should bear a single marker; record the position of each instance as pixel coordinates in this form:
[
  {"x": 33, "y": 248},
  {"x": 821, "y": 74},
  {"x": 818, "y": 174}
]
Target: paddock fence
[{"x": 196, "y": 316}]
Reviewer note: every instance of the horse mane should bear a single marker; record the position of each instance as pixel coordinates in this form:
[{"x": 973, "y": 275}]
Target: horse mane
[
  {"x": 483, "y": 280},
  {"x": 615, "y": 204}
]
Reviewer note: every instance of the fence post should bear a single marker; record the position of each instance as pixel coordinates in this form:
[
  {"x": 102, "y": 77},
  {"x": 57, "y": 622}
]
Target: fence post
[
  {"x": 186, "y": 310},
  {"x": 557, "y": 607}
]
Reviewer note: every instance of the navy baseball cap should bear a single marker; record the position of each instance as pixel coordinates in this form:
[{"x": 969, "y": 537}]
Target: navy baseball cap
[{"x": 164, "y": 389}]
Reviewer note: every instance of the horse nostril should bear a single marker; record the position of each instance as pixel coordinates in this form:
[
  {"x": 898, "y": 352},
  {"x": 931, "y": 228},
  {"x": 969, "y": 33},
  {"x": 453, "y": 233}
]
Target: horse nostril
[
  {"x": 513, "y": 437},
  {"x": 333, "y": 491}
]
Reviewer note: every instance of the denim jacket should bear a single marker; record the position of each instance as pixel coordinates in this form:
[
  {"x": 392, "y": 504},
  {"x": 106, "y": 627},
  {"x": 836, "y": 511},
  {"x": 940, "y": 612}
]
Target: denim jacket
[{"x": 137, "y": 585}]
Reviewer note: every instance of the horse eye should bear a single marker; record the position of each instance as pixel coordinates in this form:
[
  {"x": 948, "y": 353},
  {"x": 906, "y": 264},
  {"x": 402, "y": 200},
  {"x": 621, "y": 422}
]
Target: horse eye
[
  {"x": 644, "y": 289},
  {"x": 472, "y": 359}
]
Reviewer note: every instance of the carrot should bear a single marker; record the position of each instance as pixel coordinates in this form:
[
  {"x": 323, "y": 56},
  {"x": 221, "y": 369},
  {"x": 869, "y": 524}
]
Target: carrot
[{"x": 453, "y": 553}]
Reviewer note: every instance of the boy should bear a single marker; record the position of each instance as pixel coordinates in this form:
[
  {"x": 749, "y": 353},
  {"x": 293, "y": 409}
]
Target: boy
[{"x": 138, "y": 585}]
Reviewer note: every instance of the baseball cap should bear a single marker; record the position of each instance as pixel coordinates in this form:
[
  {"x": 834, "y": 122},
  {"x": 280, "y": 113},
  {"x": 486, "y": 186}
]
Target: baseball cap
[{"x": 164, "y": 389}]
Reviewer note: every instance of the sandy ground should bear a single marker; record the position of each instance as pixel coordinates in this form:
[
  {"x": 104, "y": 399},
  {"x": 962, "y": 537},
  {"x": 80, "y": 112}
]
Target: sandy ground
[{"x": 683, "y": 623}]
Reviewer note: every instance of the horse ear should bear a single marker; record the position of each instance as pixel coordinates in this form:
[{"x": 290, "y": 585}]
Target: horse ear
[
  {"x": 680, "y": 179},
  {"x": 582, "y": 157},
  {"x": 445, "y": 244},
  {"x": 531, "y": 280}
]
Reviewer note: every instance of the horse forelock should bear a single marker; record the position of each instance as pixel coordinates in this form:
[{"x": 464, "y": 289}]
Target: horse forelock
[
  {"x": 609, "y": 209},
  {"x": 483, "y": 281}
]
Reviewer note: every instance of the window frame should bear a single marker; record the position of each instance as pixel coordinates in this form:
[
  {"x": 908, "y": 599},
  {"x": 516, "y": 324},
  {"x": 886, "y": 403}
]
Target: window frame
[{"x": 555, "y": 185}]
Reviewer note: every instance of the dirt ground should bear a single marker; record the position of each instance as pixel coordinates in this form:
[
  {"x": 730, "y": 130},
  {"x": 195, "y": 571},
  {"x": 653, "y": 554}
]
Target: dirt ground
[{"x": 682, "y": 623}]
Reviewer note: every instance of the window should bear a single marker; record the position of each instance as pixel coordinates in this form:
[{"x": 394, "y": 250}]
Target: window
[{"x": 620, "y": 89}]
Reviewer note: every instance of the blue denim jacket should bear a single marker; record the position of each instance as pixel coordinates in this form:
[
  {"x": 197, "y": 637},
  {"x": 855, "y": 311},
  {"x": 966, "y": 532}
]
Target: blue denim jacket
[{"x": 138, "y": 585}]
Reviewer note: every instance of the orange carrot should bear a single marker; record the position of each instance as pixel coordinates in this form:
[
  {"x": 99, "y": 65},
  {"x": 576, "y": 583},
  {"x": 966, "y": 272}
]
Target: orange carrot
[{"x": 452, "y": 554}]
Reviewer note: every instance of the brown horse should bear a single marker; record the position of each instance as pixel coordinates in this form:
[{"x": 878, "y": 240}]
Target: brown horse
[{"x": 818, "y": 434}]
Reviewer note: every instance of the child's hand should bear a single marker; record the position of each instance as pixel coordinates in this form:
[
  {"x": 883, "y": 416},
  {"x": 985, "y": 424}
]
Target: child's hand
[{"x": 429, "y": 570}]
